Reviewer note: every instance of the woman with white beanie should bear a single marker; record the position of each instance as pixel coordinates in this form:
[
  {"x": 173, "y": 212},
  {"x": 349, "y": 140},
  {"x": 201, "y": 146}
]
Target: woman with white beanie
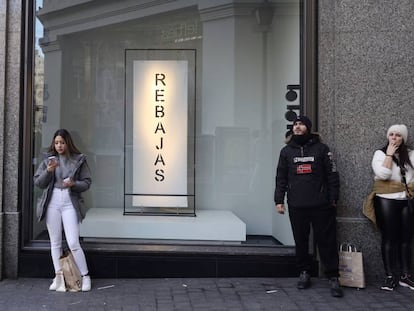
[{"x": 393, "y": 166}]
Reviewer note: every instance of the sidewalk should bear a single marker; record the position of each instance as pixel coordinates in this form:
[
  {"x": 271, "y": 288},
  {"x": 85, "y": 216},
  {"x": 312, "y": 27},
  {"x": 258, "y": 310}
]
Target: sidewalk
[{"x": 226, "y": 294}]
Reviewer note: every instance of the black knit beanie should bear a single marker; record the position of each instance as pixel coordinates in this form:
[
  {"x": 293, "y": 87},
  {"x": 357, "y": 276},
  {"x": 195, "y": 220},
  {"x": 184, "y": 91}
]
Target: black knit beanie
[{"x": 305, "y": 120}]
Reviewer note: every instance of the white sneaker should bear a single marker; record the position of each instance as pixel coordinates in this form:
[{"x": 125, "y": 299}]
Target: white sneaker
[
  {"x": 86, "y": 283},
  {"x": 53, "y": 285},
  {"x": 58, "y": 283}
]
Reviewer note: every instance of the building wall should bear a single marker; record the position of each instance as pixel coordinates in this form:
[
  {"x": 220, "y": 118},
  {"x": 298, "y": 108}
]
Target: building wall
[
  {"x": 365, "y": 64},
  {"x": 366, "y": 76},
  {"x": 10, "y": 99}
]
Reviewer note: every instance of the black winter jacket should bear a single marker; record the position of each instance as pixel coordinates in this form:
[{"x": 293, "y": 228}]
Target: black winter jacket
[{"x": 307, "y": 174}]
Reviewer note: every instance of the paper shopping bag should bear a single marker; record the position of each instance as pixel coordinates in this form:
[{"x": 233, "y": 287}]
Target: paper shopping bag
[
  {"x": 351, "y": 267},
  {"x": 71, "y": 273}
]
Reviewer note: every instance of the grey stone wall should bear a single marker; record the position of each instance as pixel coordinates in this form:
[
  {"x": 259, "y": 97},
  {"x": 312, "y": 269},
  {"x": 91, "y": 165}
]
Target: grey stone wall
[
  {"x": 366, "y": 77},
  {"x": 2, "y": 97},
  {"x": 10, "y": 99}
]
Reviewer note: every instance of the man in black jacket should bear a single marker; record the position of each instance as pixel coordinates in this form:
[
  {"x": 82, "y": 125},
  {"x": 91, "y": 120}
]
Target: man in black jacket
[{"x": 307, "y": 173}]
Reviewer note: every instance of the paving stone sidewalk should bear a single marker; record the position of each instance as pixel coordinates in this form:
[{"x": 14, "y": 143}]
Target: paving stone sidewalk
[{"x": 220, "y": 294}]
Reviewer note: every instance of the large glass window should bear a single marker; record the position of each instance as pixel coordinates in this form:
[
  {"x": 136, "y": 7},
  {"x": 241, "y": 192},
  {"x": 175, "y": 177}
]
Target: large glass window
[{"x": 243, "y": 55}]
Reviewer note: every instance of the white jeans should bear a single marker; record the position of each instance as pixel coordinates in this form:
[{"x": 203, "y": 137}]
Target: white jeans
[{"x": 61, "y": 211}]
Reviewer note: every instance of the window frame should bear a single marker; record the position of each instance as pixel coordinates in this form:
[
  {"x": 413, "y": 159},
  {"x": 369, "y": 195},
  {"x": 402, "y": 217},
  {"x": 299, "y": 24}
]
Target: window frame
[{"x": 308, "y": 103}]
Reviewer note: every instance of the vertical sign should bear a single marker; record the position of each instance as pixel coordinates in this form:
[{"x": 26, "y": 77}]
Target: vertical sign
[{"x": 160, "y": 95}]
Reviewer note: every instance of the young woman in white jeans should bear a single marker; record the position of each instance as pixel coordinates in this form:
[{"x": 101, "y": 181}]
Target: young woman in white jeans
[{"x": 63, "y": 176}]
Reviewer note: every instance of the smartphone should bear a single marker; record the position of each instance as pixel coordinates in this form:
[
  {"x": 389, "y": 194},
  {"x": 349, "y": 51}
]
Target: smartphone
[{"x": 52, "y": 159}]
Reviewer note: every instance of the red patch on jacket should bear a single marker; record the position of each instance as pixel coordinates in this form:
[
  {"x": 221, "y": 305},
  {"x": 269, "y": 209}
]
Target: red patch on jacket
[{"x": 304, "y": 169}]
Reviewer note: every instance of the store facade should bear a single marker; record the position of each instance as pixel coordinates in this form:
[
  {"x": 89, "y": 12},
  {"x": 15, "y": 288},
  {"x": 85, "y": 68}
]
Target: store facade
[{"x": 181, "y": 108}]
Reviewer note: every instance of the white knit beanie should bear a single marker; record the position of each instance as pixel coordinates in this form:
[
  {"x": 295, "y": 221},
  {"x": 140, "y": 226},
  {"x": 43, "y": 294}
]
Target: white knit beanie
[{"x": 399, "y": 128}]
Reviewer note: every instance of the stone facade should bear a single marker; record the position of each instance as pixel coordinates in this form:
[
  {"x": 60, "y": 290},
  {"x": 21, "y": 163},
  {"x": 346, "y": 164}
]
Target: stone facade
[
  {"x": 10, "y": 112},
  {"x": 365, "y": 84}
]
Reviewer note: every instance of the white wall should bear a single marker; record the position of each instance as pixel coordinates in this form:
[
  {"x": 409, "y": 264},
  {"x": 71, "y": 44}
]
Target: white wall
[{"x": 285, "y": 64}]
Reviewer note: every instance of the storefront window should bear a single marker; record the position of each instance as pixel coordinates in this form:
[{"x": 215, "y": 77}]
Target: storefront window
[{"x": 235, "y": 60}]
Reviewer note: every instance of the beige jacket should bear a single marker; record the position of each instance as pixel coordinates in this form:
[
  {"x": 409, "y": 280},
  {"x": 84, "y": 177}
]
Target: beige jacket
[{"x": 383, "y": 187}]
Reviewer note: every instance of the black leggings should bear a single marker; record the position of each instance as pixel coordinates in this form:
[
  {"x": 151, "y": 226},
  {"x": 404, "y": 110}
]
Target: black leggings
[{"x": 395, "y": 220}]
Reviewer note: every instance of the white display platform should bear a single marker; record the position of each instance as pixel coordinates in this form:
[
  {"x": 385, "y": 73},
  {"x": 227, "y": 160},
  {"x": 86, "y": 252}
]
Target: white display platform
[{"x": 208, "y": 225}]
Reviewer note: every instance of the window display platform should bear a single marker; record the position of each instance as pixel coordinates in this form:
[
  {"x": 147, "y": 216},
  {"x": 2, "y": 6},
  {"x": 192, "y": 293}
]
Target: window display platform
[{"x": 208, "y": 225}]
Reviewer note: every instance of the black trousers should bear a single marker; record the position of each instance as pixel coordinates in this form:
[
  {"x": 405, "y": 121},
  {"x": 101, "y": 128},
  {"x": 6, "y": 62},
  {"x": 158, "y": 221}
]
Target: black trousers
[
  {"x": 395, "y": 220},
  {"x": 323, "y": 222}
]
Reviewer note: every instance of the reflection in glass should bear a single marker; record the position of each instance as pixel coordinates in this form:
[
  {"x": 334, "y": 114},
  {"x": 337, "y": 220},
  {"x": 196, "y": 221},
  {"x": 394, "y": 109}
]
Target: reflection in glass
[{"x": 241, "y": 72}]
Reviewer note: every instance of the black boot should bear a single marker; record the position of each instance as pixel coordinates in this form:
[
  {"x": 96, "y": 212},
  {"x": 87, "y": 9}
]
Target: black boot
[
  {"x": 389, "y": 283},
  {"x": 304, "y": 280},
  {"x": 336, "y": 290}
]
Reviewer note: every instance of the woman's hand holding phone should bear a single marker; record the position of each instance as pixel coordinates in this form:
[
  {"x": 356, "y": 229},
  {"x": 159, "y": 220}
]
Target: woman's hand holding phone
[
  {"x": 68, "y": 182},
  {"x": 52, "y": 163}
]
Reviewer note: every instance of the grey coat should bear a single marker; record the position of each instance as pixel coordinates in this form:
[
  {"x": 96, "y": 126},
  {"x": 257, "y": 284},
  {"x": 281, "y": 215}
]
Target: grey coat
[{"x": 81, "y": 176}]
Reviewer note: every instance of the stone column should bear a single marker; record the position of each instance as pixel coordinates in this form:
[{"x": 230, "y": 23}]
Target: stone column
[
  {"x": 3, "y": 9},
  {"x": 10, "y": 99},
  {"x": 365, "y": 84}
]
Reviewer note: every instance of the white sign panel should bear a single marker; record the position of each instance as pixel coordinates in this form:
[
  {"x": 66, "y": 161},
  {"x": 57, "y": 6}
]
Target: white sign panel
[{"x": 160, "y": 95}]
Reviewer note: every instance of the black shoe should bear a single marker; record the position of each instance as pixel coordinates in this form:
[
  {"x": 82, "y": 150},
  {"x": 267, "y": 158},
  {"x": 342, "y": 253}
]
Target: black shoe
[
  {"x": 406, "y": 281},
  {"x": 336, "y": 290},
  {"x": 389, "y": 283},
  {"x": 304, "y": 280}
]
